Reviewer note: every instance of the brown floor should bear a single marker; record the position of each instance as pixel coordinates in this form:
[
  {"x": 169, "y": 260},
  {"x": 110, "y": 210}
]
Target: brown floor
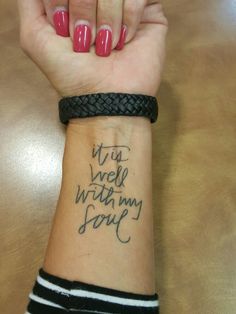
[{"x": 194, "y": 162}]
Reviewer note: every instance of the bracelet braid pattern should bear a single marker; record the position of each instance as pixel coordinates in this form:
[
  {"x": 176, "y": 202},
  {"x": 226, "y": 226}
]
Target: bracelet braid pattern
[{"x": 108, "y": 104}]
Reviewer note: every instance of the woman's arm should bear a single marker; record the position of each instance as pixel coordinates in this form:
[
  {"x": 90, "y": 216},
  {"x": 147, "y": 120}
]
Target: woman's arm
[
  {"x": 101, "y": 246},
  {"x": 103, "y": 228}
]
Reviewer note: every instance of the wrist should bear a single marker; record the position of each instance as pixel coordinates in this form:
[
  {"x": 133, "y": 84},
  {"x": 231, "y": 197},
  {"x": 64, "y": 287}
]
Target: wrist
[
  {"x": 84, "y": 134},
  {"x": 122, "y": 125}
]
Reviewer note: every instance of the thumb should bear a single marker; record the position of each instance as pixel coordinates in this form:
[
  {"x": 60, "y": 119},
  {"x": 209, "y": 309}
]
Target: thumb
[
  {"x": 154, "y": 14},
  {"x": 152, "y": 35},
  {"x": 154, "y": 25}
]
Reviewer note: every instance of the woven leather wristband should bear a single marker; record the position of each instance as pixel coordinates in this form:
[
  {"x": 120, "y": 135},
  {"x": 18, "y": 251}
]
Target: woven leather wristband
[{"x": 109, "y": 104}]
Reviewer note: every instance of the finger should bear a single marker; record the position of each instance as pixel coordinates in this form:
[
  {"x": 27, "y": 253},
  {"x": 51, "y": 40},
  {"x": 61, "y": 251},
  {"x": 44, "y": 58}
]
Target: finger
[
  {"x": 83, "y": 23},
  {"x": 30, "y": 10},
  {"x": 109, "y": 19},
  {"x": 58, "y": 16},
  {"x": 133, "y": 11}
]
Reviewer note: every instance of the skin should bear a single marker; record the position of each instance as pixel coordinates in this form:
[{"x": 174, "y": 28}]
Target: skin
[
  {"x": 102, "y": 12},
  {"x": 143, "y": 56},
  {"x": 98, "y": 256}
]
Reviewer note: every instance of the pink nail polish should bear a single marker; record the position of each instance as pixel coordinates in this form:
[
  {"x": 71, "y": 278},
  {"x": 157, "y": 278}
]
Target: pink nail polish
[
  {"x": 61, "y": 22},
  {"x": 82, "y": 38},
  {"x": 123, "y": 34},
  {"x": 104, "y": 42}
]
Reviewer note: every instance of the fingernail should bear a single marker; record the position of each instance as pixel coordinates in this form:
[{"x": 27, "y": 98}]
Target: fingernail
[
  {"x": 61, "y": 22},
  {"x": 82, "y": 38},
  {"x": 123, "y": 34},
  {"x": 104, "y": 42}
]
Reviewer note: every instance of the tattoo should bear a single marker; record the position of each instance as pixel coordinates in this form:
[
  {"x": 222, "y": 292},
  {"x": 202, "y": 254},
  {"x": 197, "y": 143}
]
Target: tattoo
[
  {"x": 117, "y": 152},
  {"x": 103, "y": 202},
  {"x": 117, "y": 177}
]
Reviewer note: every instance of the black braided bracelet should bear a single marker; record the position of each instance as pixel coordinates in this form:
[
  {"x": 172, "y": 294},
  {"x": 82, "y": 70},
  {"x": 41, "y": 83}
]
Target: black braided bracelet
[{"x": 108, "y": 104}]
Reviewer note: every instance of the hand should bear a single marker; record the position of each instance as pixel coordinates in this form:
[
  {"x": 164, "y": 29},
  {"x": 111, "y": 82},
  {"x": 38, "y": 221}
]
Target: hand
[
  {"x": 83, "y": 19},
  {"x": 135, "y": 69}
]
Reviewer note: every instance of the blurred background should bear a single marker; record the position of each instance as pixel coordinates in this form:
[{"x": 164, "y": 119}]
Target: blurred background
[{"x": 194, "y": 168}]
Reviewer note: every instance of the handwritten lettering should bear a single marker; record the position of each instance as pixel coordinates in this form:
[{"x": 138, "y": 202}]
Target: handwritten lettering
[
  {"x": 101, "y": 219},
  {"x": 116, "y": 153},
  {"x": 131, "y": 202},
  {"x": 117, "y": 177},
  {"x": 102, "y": 203}
]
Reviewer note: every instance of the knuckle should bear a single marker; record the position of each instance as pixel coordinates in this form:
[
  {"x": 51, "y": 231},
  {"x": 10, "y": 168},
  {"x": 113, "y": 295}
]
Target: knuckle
[
  {"x": 133, "y": 9},
  {"x": 86, "y": 4},
  {"x": 141, "y": 3}
]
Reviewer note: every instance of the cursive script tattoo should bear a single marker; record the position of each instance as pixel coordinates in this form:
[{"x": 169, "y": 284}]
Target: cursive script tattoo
[
  {"x": 98, "y": 220},
  {"x": 103, "y": 153},
  {"x": 117, "y": 177},
  {"x": 103, "y": 202}
]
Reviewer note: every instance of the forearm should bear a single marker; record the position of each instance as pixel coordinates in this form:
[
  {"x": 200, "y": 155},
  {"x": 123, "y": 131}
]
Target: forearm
[{"x": 103, "y": 227}]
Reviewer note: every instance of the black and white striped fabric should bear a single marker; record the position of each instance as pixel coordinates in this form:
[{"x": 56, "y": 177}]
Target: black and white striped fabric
[{"x": 53, "y": 295}]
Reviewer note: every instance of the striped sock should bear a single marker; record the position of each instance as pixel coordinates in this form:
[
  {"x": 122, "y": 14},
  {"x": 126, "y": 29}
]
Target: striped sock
[{"x": 53, "y": 295}]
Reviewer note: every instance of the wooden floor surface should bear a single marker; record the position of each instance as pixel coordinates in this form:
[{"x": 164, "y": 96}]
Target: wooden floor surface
[{"x": 194, "y": 168}]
